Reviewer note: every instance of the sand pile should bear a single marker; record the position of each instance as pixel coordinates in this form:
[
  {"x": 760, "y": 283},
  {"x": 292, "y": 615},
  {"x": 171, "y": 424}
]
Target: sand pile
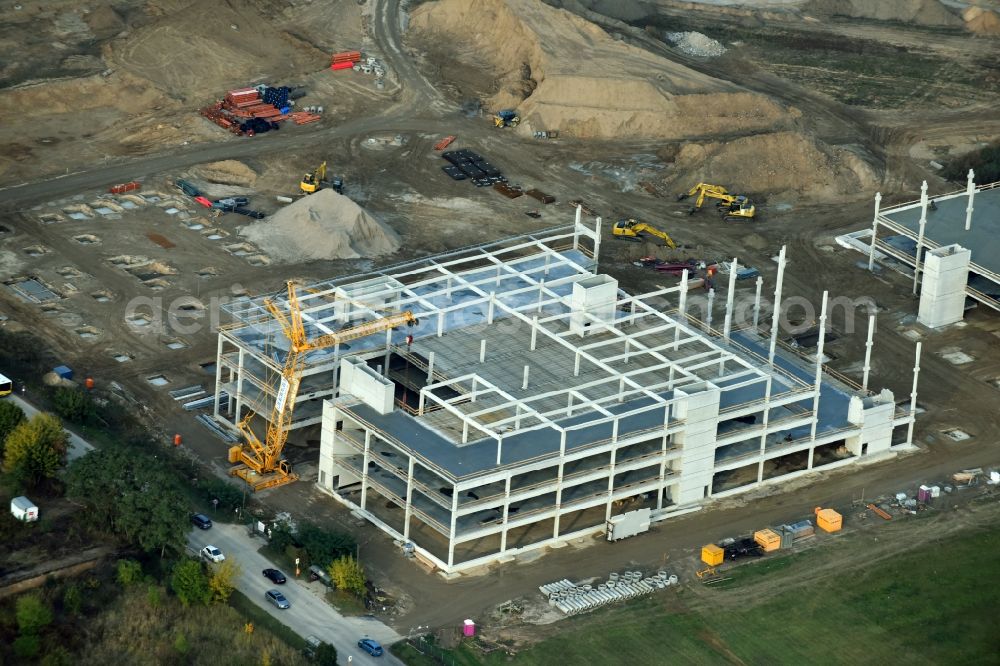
[
  {"x": 563, "y": 72},
  {"x": 982, "y": 21},
  {"x": 696, "y": 44},
  {"x": 780, "y": 163},
  {"x": 325, "y": 225},
  {"x": 921, "y": 12},
  {"x": 226, "y": 172}
]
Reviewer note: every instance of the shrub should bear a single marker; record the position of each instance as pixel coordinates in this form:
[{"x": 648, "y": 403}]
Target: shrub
[
  {"x": 35, "y": 449},
  {"x": 230, "y": 496},
  {"x": 326, "y": 655},
  {"x": 348, "y": 575},
  {"x": 73, "y": 599},
  {"x": 189, "y": 583},
  {"x": 32, "y": 613},
  {"x": 27, "y": 647},
  {"x": 10, "y": 417},
  {"x": 985, "y": 162},
  {"x": 153, "y": 596},
  {"x": 222, "y": 582},
  {"x": 181, "y": 645},
  {"x": 128, "y": 572},
  {"x": 323, "y": 546},
  {"x": 73, "y": 404}
]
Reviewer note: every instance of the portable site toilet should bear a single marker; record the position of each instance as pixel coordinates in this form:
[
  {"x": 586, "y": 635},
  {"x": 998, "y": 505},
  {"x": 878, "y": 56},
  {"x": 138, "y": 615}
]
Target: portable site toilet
[
  {"x": 23, "y": 509},
  {"x": 468, "y": 628}
]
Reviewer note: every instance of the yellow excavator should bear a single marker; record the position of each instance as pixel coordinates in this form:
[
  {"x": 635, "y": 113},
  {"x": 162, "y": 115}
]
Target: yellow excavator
[
  {"x": 259, "y": 463},
  {"x": 732, "y": 206},
  {"x": 632, "y": 229},
  {"x": 316, "y": 180}
]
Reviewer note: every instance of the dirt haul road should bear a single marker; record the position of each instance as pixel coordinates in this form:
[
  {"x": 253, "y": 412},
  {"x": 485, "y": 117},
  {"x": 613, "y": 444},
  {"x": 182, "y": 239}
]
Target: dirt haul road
[{"x": 409, "y": 114}]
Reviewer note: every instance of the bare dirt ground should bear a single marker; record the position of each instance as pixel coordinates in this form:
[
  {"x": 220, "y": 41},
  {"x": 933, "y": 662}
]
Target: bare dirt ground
[{"x": 852, "y": 133}]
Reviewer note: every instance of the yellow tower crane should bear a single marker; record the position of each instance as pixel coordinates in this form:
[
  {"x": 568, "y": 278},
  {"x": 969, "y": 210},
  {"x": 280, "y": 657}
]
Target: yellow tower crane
[{"x": 259, "y": 463}]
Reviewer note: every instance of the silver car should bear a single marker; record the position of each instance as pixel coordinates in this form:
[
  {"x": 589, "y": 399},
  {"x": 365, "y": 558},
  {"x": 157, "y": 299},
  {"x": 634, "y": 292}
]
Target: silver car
[{"x": 277, "y": 598}]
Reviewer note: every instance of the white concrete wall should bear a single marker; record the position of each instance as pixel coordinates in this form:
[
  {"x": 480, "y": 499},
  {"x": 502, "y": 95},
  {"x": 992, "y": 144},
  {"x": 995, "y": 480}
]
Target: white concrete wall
[
  {"x": 357, "y": 379},
  {"x": 595, "y": 296},
  {"x": 697, "y": 443},
  {"x": 875, "y": 416},
  {"x": 942, "y": 290}
]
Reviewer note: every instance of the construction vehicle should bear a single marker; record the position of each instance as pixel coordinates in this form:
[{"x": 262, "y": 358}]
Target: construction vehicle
[
  {"x": 734, "y": 207},
  {"x": 260, "y": 463},
  {"x": 708, "y": 571},
  {"x": 6, "y": 386},
  {"x": 506, "y": 118},
  {"x": 315, "y": 181},
  {"x": 632, "y": 229}
]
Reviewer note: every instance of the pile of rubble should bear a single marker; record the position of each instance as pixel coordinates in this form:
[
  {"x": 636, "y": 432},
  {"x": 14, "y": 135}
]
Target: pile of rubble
[{"x": 696, "y": 44}]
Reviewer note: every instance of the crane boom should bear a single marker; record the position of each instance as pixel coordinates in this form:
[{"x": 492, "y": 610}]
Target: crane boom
[{"x": 261, "y": 463}]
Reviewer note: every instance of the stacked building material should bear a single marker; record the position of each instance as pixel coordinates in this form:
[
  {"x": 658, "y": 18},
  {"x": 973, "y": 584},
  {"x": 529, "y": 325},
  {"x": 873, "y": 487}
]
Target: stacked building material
[
  {"x": 277, "y": 97},
  {"x": 241, "y": 97},
  {"x": 345, "y": 60},
  {"x": 125, "y": 187},
  {"x": 304, "y": 117}
]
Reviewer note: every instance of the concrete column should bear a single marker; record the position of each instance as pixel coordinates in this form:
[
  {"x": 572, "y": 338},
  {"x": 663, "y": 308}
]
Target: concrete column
[
  {"x": 756, "y": 303},
  {"x": 430, "y": 367},
  {"x": 492, "y": 306},
  {"x": 611, "y": 476},
  {"x": 598, "y": 228},
  {"x": 524, "y": 381},
  {"x": 364, "y": 469},
  {"x": 871, "y": 248},
  {"x": 776, "y": 318},
  {"x": 238, "y": 414},
  {"x": 569, "y": 404},
  {"x": 727, "y": 326},
  {"x": 388, "y": 351},
  {"x": 409, "y": 502},
  {"x": 700, "y": 409},
  {"x": 920, "y": 236},
  {"x": 482, "y": 350},
  {"x": 451, "y": 531},
  {"x": 576, "y": 364},
  {"x": 218, "y": 378},
  {"x": 817, "y": 382},
  {"x": 506, "y": 514},
  {"x": 559, "y": 484},
  {"x": 913, "y": 395},
  {"x": 499, "y": 448},
  {"x": 942, "y": 292},
  {"x": 708, "y": 314},
  {"x": 440, "y": 323},
  {"x": 681, "y": 308},
  {"x": 576, "y": 234},
  {"x": 534, "y": 332},
  {"x": 868, "y": 352},
  {"x": 970, "y": 189}
]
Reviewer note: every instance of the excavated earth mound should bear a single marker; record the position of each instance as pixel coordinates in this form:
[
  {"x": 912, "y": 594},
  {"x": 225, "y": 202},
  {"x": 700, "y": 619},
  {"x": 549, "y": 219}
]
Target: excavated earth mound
[
  {"x": 780, "y": 163},
  {"x": 226, "y": 172},
  {"x": 563, "y": 72},
  {"x": 922, "y": 12},
  {"x": 325, "y": 225}
]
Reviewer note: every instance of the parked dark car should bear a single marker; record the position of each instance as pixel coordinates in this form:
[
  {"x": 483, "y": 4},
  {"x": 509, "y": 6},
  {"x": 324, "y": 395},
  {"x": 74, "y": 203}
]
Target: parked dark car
[
  {"x": 201, "y": 521},
  {"x": 274, "y": 576},
  {"x": 370, "y": 646}
]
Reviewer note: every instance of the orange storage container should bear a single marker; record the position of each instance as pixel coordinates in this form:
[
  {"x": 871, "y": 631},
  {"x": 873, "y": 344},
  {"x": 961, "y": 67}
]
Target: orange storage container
[
  {"x": 829, "y": 520},
  {"x": 712, "y": 555},
  {"x": 769, "y": 540}
]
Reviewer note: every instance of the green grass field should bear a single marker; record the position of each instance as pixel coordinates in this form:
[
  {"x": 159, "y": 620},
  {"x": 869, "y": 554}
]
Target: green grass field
[{"x": 938, "y": 604}]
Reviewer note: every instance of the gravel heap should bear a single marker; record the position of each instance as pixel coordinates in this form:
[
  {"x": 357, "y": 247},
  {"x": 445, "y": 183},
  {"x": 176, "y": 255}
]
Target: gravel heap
[{"x": 696, "y": 44}]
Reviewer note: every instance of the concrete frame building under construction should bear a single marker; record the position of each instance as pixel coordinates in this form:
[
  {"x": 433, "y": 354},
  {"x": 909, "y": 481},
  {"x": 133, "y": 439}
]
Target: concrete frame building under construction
[
  {"x": 957, "y": 237},
  {"x": 534, "y": 400}
]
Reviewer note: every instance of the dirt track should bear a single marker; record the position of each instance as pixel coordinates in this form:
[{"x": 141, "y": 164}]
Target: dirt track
[{"x": 405, "y": 187}]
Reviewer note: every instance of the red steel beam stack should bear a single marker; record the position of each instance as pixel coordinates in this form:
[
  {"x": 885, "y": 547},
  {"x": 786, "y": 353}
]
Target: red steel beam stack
[
  {"x": 304, "y": 118},
  {"x": 125, "y": 187},
  {"x": 444, "y": 143},
  {"x": 345, "y": 60}
]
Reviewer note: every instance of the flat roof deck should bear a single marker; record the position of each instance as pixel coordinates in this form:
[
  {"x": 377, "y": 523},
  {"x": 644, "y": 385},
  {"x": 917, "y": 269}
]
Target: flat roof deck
[
  {"x": 478, "y": 456},
  {"x": 946, "y": 224}
]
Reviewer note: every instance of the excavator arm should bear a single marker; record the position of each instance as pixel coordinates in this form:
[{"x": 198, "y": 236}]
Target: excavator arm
[{"x": 653, "y": 231}]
